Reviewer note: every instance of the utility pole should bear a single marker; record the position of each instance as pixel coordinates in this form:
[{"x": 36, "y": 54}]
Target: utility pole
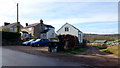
[
  {"x": 18, "y": 23},
  {"x": 17, "y": 13}
]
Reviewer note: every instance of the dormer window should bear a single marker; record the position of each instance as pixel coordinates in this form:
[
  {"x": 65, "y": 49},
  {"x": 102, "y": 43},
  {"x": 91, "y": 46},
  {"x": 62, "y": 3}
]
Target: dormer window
[{"x": 66, "y": 29}]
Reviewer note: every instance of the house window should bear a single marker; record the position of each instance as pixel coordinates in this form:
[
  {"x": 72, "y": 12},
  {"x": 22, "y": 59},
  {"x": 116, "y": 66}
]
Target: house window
[
  {"x": 52, "y": 35},
  {"x": 66, "y": 29}
]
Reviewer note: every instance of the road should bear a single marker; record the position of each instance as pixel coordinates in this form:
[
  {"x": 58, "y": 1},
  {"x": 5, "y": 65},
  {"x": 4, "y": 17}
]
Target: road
[
  {"x": 93, "y": 54},
  {"x": 0, "y": 56},
  {"x": 16, "y": 58}
]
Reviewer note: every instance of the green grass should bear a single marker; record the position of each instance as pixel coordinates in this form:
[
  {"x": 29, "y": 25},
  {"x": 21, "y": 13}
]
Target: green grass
[
  {"x": 113, "y": 50},
  {"x": 74, "y": 51},
  {"x": 107, "y": 50},
  {"x": 101, "y": 47}
]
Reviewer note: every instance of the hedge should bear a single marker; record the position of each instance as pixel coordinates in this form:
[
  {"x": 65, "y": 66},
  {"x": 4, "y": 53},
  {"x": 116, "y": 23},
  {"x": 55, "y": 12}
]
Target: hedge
[{"x": 10, "y": 35}]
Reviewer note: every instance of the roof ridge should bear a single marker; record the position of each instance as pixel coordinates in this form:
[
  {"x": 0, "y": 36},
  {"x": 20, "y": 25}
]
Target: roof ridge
[{"x": 70, "y": 25}]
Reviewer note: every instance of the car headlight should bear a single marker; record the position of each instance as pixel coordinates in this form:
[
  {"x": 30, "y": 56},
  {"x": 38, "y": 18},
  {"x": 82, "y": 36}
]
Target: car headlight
[{"x": 23, "y": 43}]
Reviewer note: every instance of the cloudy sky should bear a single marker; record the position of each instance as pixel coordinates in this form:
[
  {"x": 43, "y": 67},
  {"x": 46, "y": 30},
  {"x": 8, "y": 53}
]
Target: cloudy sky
[{"x": 90, "y": 16}]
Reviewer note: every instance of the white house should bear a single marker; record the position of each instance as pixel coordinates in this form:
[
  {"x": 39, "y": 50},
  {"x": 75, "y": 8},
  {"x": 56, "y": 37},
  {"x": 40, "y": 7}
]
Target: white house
[
  {"x": 70, "y": 29},
  {"x": 49, "y": 32}
]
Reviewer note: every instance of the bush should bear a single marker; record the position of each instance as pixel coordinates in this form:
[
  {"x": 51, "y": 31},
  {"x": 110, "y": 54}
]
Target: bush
[
  {"x": 10, "y": 38},
  {"x": 68, "y": 41},
  {"x": 10, "y": 35}
]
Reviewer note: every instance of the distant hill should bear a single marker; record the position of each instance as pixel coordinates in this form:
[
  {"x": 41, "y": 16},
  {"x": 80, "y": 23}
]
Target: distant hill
[{"x": 93, "y": 37}]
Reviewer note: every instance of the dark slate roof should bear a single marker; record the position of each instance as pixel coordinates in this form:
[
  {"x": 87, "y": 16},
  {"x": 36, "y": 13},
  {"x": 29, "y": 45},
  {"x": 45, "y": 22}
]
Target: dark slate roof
[
  {"x": 70, "y": 25},
  {"x": 32, "y": 25},
  {"x": 8, "y": 26},
  {"x": 45, "y": 31},
  {"x": 49, "y": 26}
]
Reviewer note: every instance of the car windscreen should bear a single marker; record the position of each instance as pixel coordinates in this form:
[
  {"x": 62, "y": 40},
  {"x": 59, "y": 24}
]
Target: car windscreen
[
  {"x": 37, "y": 40},
  {"x": 31, "y": 40}
]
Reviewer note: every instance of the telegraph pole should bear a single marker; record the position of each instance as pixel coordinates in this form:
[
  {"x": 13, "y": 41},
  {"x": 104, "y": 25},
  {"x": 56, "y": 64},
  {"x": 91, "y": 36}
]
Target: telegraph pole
[
  {"x": 18, "y": 23},
  {"x": 17, "y": 13}
]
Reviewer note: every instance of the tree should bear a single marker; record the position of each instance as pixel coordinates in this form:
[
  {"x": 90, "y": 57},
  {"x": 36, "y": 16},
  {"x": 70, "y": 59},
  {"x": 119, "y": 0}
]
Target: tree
[{"x": 18, "y": 27}]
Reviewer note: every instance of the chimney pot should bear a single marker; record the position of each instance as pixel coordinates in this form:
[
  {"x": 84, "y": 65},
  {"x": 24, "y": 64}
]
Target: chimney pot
[
  {"x": 26, "y": 24},
  {"x": 18, "y": 22},
  {"x": 41, "y": 21},
  {"x": 6, "y": 23}
]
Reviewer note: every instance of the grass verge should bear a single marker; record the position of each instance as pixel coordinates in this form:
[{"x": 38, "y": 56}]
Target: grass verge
[
  {"x": 115, "y": 50},
  {"x": 75, "y": 51},
  {"x": 107, "y": 51},
  {"x": 112, "y": 50}
]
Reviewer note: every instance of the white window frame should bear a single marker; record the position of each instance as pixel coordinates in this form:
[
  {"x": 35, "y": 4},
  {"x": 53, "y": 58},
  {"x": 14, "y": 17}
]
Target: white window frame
[{"x": 66, "y": 29}]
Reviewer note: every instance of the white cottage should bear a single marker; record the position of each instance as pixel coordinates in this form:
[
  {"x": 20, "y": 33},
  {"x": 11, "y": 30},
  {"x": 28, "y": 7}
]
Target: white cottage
[{"x": 70, "y": 29}]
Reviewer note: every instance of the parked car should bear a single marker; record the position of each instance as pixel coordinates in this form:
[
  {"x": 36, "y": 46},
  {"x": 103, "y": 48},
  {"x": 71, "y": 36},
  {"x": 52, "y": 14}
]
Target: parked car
[
  {"x": 28, "y": 42},
  {"x": 40, "y": 42}
]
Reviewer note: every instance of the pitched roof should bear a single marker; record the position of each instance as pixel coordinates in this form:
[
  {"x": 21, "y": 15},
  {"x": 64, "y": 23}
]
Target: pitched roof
[
  {"x": 70, "y": 25},
  {"x": 32, "y": 25},
  {"x": 8, "y": 26},
  {"x": 49, "y": 26}
]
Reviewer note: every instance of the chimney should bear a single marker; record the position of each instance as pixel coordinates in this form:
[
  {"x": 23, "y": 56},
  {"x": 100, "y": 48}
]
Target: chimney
[
  {"x": 26, "y": 24},
  {"x": 18, "y": 22},
  {"x": 41, "y": 21},
  {"x": 6, "y": 23}
]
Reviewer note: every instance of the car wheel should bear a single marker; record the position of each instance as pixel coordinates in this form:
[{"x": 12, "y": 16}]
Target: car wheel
[
  {"x": 32, "y": 45},
  {"x": 38, "y": 45},
  {"x": 28, "y": 44}
]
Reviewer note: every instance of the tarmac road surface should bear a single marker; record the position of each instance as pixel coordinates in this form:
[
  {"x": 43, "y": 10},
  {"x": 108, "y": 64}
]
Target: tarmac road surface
[{"x": 16, "y": 58}]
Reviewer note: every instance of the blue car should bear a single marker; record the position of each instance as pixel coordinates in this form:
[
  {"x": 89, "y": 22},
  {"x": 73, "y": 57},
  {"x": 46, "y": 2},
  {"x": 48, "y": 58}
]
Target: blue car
[{"x": 40, "y": 42}]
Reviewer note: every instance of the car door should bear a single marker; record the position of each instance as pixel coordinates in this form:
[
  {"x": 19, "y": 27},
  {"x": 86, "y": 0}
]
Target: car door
[
  {"x": 41, "y": 42},
  {"x": 46, "y": 41}
]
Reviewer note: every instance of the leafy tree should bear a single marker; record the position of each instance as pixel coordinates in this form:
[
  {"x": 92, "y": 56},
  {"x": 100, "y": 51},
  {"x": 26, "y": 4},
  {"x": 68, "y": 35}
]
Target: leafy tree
[{"x": 18, "y": 27}]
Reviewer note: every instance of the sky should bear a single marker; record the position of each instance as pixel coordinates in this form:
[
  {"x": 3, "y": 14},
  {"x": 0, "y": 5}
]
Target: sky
[{"x": 89, "y": 16}]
